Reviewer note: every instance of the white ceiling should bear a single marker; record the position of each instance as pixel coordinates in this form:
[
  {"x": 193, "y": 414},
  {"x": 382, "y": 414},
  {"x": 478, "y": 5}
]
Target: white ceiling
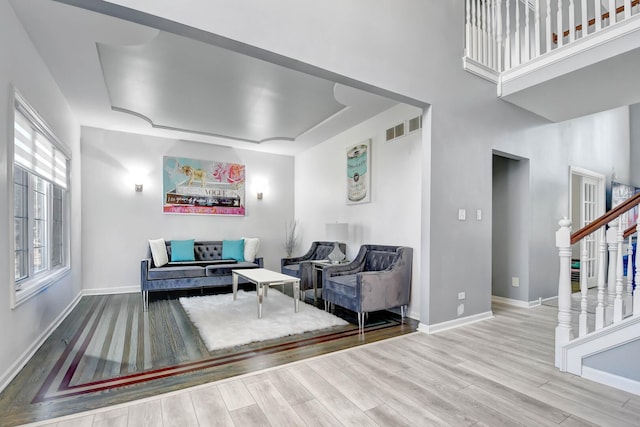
[{"x": 120, "y": 75}]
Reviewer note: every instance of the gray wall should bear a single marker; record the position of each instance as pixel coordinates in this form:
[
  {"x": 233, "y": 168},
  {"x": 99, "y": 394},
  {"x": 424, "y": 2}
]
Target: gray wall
[
  {"x": 419, "y": 57},
  {"x": 510, "y": 224},
  {"x": 618, "y": 361},
  {"x": 22, "y": 328},
  {"x": 118, "y": 222},
  {"x": 634, "y": 158}
]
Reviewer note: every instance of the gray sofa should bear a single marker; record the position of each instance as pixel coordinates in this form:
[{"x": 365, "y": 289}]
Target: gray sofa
[
  {"x": 378, "y": 278},
  {"x": 208, "y": 270}
]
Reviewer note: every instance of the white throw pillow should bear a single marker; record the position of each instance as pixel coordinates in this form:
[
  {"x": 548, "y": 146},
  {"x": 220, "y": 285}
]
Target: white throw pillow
[
  {"x": 159, "y": 252},
  {"x": 251, "y": 246}
]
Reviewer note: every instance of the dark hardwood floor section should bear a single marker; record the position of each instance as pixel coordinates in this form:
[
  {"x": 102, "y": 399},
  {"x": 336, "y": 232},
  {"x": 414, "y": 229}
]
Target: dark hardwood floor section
[{"x": 108, "y": 351}]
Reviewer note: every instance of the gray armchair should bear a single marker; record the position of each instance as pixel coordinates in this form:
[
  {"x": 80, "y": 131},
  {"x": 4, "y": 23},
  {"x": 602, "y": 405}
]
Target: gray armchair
[
  {"x": 301, "y": 267},
  {"x": 378, "y": 278}
]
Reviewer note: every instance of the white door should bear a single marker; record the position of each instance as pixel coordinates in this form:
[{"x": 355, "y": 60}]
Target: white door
[{"x": 589, "y": 211}]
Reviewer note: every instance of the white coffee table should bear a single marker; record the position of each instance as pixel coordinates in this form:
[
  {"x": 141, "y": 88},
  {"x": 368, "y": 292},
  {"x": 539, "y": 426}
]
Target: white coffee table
[{"x": 264, "y": 278}]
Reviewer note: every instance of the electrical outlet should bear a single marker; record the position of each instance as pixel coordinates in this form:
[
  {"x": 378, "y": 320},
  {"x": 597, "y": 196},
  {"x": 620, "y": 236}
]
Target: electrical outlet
[
  {"x": 515, "y": 282},
  {"x": 479, "y": 214},
  {"x": 460, "y": 309},
  {"x": 461, "y": 295},
  {"x": 462, "y": 214}
]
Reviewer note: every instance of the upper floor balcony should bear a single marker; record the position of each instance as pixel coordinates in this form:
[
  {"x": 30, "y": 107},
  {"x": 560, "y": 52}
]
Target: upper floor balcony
[{"x": 560, "y": 59}]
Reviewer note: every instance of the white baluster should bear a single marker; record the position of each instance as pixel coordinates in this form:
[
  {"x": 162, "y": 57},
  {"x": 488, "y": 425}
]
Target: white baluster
[
  {"x": 491, "y": 38},
  {"x": 516, "y": 53},
  {"x": 627, "y": 9},
  {"x": 474, "y": 31},
  {"x": 628, "y": 297},
  {"x": 527, "y": 35},
  {"x": 572, "y": 21},
  {"x": 537, "y": 29},
  {"x": 617, "y": 303},
  {"x": 602, "y": 258},
  {"x": 612, "y": 12},
  {"x": 507, "y": 40},
  {"x": 499, "y": 46},
  {"x": 467, "y": 28},
  {"x": 484, "y": 33},
  {"x": 584, "y": 21},
  {"x": 559, "y": 29},
  {"x": 564, "y": 332},
  {"x": 584, "y": 273},
  {"x": 612, "y": 243},
  {"x": 548, "y": 29},
  {"x": 598, "y": 16}
]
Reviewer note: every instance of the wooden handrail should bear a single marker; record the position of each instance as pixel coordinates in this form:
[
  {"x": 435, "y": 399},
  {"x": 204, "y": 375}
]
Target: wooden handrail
[
  {"x": 627, "y": 205},
  {"x": 592, "y": 21},
  {"x": 629, "y": 231}
]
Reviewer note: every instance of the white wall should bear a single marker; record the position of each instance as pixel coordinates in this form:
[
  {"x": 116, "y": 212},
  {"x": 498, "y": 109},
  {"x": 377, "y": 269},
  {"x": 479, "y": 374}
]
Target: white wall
[
  {"x": 22, "y": 328},
  {"x": 393, "y": 215},
  {"x": 118, "y": 222},
  {"x": 413, "y": 48}
]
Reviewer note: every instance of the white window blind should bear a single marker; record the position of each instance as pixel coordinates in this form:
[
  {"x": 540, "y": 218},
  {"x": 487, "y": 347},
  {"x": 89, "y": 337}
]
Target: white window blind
[{"x": 35, "y": 152}]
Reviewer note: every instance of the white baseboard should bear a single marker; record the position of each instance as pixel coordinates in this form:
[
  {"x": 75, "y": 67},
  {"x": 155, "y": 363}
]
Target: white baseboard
[
  {"x": 456, "y": 323},
  {"x": 519, "y": 303},
  {"x": 14, "y": 369},
  {"x": 612, "y": 380},
  {"x": 110, "y": 291}
]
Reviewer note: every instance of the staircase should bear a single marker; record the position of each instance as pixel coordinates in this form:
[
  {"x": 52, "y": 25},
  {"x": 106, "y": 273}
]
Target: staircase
[{"x": 615, "y": 322}]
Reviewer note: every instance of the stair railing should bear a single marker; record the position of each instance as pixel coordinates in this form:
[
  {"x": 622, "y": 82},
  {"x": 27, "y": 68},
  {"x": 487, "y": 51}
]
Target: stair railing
[
  {"x": 614, "y": 301},
  {"x": 502, "y": 34}
]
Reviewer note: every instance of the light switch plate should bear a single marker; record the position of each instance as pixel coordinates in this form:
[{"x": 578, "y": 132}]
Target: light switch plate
[{"x": 462, "y": 214}]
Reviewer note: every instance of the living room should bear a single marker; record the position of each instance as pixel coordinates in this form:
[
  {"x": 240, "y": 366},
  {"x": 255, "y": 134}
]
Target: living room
[{"x": 419, "y": 182}]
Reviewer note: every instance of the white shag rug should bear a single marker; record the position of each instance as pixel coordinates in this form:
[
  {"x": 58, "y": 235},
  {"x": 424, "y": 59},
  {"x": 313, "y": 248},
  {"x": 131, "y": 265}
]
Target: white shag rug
[{"x": 223, "y": 322}]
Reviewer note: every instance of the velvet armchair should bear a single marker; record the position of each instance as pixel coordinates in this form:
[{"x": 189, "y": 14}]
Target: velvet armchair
[{"x": 379, "y": 278}]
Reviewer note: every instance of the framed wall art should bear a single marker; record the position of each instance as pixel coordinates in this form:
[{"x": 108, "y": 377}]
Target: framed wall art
[
  {"x": 359, "y": 173},
  {"x": 203, "y": 187}
]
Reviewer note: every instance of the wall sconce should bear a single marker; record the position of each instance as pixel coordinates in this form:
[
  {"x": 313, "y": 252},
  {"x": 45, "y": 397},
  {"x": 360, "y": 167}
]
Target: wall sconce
[
  {"x": 259, "y": 185},
  {"x": 138, "y": 188}
]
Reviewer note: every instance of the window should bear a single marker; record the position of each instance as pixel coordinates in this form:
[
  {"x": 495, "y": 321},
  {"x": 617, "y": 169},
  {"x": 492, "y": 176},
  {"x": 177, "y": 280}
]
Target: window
[{"x": 40, "y": 204}]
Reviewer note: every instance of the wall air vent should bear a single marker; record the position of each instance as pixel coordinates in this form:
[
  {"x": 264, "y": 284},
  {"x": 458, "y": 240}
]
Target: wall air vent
[
  {"x": 415, "y": 124},
  {"x": 391, "y": 133},
  {"x": 396, "y": 132},
  {"x": 405, "y": 128}
]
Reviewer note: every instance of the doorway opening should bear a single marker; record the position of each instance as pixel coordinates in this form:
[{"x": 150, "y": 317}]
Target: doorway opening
[{"x": 510, "y": 229}]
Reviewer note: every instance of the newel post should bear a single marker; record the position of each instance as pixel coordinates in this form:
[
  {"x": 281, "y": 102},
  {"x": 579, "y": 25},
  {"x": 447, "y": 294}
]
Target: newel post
[{"x": 564, "y": 333}]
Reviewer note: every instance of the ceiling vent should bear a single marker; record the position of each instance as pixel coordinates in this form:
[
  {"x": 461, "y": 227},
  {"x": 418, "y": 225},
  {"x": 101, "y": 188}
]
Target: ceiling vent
[{"x": 404, "y": 128}]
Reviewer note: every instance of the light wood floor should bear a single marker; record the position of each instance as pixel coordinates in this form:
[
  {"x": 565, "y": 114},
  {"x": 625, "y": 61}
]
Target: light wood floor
[
  {"x": 491, "y": 373},
  {"x": 107, "y": 351}
]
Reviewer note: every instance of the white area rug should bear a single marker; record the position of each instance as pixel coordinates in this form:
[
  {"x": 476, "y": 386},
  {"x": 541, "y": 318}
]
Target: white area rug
[{"x": 223, "y": 322}]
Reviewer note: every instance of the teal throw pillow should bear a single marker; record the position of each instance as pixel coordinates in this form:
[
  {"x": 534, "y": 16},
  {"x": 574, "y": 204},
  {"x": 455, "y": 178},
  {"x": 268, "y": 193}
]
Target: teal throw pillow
[
  {"x": 182, "y": 250},
  {"x": 233, "y": 249}
]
